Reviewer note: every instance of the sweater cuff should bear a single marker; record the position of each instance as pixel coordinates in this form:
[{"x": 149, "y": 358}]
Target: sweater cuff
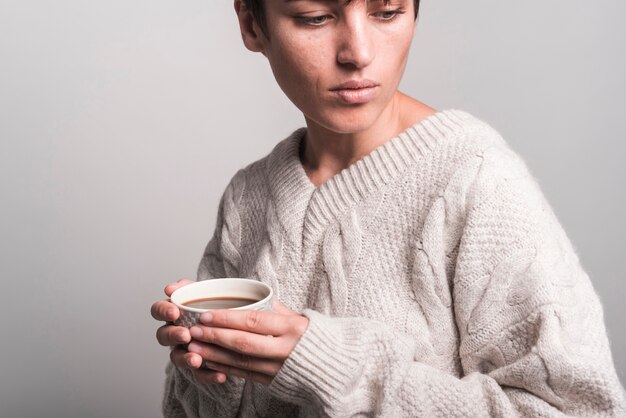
[{"x": 324, "y": 365}]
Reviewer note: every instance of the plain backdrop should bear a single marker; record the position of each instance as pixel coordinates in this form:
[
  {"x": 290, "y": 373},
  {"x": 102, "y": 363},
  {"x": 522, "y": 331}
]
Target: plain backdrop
[{"x": 121, "y": 123}]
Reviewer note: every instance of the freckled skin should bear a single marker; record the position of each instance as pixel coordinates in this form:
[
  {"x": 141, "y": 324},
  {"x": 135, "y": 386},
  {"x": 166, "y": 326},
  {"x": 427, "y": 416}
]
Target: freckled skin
[{"x": 307, "y": 61}]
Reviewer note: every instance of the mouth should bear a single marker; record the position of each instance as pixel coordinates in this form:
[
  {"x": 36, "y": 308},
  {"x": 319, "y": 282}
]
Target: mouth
[
  {"x": 355, "y": 85},
  {"x": 355, "y": 91}
]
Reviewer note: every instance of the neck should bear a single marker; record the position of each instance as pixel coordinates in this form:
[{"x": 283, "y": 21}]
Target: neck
[{"x": 325, "y": 153}]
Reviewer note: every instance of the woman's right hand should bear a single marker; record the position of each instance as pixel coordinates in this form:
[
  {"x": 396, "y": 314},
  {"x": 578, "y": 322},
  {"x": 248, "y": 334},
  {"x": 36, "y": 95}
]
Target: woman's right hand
[{"x": 174, "y": 337}]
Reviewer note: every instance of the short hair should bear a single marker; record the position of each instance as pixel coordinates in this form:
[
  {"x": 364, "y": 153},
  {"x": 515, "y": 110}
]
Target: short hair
[{"x": 258, "y": 11}]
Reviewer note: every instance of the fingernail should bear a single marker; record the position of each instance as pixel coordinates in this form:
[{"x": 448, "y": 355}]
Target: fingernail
[
  {"x": 170, "y": 313},
  {"x": 195, "y": 332},
  {"x": 194, "y": 348},
  {"x": 206, "y": 317}
]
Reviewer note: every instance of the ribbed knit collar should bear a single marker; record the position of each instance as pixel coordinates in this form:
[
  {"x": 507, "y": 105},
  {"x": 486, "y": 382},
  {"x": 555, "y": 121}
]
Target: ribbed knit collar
[{"x": 305, "y": 210}]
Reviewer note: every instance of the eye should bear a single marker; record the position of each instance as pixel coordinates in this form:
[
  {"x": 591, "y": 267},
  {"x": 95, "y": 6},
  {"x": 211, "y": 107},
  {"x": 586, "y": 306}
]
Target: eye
[
  {"x": 312, "y": 20},
  {"x": 388, "y": 15}
]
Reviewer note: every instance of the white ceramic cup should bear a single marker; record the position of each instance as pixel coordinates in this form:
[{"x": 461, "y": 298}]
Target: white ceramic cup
[{"x": 217, "y": 288}]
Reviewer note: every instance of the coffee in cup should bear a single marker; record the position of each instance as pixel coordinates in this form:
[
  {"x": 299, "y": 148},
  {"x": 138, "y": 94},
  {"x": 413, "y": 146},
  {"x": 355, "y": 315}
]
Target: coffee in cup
[{"x": 228, "y": 293}]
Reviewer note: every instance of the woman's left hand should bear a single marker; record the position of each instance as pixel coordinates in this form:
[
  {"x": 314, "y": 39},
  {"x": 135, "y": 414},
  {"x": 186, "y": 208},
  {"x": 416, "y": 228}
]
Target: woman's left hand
[{"x": 249, "y": 344}]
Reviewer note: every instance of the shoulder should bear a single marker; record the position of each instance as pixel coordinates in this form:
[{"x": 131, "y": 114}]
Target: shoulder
[
  {"x": 472, "y": 141},
  {"x": 473, "y": 165},
  {"x": 496, "y": 183},
  {"x": 461, "y": 128},
  {"x": 462, "y": 149},
  {"x": 255, "y": 178},
  {"x": 251, "y": 189}
]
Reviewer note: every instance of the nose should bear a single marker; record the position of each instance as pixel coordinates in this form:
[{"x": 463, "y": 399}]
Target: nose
[{"x": 355, "y": 43}]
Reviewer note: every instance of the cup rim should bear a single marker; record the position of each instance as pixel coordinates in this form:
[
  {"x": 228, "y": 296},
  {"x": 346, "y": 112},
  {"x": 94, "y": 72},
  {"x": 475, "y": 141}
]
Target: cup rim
[{"x": 251, "y": 306}]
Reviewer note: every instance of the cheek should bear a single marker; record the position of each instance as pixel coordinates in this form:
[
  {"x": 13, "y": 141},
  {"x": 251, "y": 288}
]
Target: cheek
[
  {"x": 400, "y": 44},
  {"x": 394, "y": 55},
  {"x": 298, "y": 66}
]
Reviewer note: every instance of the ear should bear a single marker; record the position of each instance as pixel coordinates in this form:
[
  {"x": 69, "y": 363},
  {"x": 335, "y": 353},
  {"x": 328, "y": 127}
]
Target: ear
[{"x": 251, "y": 33}]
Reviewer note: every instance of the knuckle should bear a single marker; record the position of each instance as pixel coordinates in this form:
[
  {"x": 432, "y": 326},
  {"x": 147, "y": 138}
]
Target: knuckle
[
  {"x": 171, "y": 336},
  {"x": 158, "y": 311},
  {"x": 243, "y": 362},
  {"x": 242, "y": 345},
  {"x": 208, "y": 335},
  {"x": 253, "y": 319},
  {"x": 164, "y": 335},
  {"x": 168, "y": 311}
]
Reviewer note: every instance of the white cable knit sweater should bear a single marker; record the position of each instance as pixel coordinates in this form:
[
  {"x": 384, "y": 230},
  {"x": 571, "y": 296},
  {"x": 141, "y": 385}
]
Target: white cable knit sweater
[{"x": 436, "y": 279}]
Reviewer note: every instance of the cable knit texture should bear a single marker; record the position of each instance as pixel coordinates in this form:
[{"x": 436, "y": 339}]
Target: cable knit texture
[{"x": 436, "y": 278}]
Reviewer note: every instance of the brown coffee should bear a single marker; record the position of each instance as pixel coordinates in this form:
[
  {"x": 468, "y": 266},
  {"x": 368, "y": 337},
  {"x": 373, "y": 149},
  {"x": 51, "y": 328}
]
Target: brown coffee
[{"x": 225, "y": 302}]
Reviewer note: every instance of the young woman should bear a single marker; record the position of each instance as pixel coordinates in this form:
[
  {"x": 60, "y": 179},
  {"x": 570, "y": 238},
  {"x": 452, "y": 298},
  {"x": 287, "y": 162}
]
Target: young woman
[{"x": 419, "y": 269}]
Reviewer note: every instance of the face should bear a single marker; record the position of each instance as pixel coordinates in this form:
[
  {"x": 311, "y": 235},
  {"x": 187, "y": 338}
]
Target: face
[{"x": 339, "y": 63}]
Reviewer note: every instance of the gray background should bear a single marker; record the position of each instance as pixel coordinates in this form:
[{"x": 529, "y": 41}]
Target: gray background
[{"x": 122, "y": 121}]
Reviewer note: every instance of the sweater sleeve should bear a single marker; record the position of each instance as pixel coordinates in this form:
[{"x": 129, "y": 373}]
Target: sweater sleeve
[
  {"x": 221, "y": 258},
  {"x": 531, "y": 328}
]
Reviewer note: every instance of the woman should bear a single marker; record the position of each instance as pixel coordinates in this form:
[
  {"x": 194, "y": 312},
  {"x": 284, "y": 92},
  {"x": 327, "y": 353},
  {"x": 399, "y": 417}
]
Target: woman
[{"x": 421, "y": 271}]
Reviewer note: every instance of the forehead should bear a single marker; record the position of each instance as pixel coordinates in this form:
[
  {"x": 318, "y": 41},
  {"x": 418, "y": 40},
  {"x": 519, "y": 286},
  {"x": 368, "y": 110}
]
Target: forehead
[{"x": 345, "y": 2}]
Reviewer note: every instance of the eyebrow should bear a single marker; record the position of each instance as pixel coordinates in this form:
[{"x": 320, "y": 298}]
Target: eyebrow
[{"x": 335, "y": 1}]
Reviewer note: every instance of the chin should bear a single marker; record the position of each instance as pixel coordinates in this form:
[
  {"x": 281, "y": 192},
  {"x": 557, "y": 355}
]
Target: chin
[{"x": 348, "y": 122}]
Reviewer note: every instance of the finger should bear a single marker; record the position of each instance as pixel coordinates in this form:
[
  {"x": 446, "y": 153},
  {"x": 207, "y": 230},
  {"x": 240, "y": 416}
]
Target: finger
[
  {"x": 259, "y": 322},
  {"x": 220, "y": 355},
  {"x": 278, "y": 307},
  {"x": 164, "y": 310},
  {"x": 205, "y": 376},
  {"x": 192, "y": 361},
  {"x": 246, "y": 374},
  {"x": 242, "y": 342},
  {"x": 183, "y": 359},
  {"x": 169, "y": 289},
  {"x": 172, "y": 335}
]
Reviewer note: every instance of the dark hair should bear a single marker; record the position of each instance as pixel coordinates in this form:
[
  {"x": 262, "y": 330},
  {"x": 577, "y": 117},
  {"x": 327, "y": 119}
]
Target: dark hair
[{"x": 257, "y": 10}]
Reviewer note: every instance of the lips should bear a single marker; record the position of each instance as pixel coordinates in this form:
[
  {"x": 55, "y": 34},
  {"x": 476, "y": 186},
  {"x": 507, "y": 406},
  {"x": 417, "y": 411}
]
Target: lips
[
  {"x": 355, "y": 85},
  {"x": 356, "y": 91}
]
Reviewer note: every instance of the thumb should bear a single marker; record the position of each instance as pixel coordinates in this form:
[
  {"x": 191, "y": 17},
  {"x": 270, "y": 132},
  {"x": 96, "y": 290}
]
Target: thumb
[{"x": 169, "y": 289}]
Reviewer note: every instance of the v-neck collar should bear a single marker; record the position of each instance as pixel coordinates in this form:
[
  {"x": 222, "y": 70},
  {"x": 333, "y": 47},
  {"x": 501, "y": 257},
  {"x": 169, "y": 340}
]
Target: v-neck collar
[{"x": 304, "y": 210}]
